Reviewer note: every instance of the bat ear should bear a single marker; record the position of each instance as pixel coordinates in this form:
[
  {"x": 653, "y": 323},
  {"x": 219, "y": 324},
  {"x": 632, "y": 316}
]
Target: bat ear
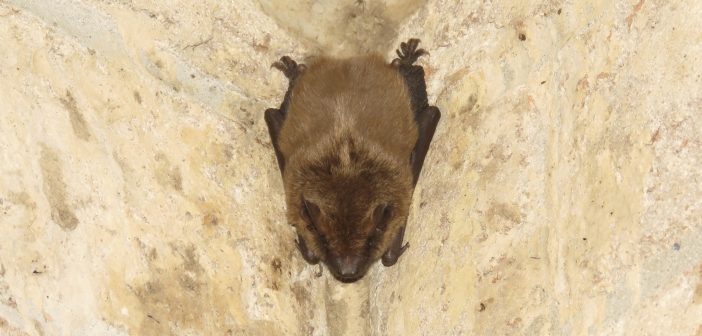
[
  {"x": 381, "y": 215},
  {"x": 308, "y": 255},
  {"x": 310, "y": 211}
]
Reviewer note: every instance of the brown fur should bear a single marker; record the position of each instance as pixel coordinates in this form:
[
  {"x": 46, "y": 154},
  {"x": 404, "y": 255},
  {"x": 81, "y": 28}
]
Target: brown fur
[{"x": 347, "y": 141}]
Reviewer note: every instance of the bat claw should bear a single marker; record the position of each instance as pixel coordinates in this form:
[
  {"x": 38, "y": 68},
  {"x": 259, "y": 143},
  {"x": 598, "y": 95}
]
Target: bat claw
[
  {"x": 289, "y": 67},
  {"x": 408, "y": 53},
  {"x": 403, "y": 249}
]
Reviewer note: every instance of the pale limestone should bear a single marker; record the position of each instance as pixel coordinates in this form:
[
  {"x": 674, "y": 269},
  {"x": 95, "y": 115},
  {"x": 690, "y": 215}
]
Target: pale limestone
[{"x": 139, "y": 194}]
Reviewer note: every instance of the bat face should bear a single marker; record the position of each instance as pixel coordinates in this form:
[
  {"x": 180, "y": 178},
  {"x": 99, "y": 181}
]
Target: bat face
[
  {"x": 347, "y": 206},
  {"x": 350, "y": 138}
]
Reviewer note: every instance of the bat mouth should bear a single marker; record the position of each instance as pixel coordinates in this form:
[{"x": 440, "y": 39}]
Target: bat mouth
[{"x": 348, "y": 279}]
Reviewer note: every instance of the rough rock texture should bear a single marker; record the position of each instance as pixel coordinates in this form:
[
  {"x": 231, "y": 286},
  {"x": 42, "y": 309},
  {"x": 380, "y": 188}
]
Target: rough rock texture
[{"x": 139, "y": 194}]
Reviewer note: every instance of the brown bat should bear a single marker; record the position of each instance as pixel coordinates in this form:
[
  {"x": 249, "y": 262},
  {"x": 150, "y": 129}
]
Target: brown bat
[{"x": 350, "y": 138}]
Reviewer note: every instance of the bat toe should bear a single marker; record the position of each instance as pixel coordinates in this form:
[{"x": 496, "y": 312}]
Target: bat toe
[{"x": 408, "y": 53}]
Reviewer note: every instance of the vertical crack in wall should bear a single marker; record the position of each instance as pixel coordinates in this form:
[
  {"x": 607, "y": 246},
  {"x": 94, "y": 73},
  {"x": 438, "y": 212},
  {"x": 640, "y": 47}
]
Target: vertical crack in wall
[{"x": 55, "y": 190}]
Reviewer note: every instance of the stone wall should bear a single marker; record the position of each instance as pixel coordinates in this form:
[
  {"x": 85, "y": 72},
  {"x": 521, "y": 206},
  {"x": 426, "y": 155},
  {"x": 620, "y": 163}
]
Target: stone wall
[{"x": 139, "y": 194}]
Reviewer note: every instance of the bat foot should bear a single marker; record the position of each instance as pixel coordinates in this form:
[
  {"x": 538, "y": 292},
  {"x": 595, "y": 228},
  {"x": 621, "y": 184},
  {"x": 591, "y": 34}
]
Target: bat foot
[
  {"x": 408, "y": 53},
  {"x": 289, "y": 67}
]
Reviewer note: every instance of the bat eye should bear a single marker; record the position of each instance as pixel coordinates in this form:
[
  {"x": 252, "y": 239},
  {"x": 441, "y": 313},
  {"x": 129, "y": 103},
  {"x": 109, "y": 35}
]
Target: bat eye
[
  {"x": 382, "y": 215},
  {"x": 310, "y": 213}
]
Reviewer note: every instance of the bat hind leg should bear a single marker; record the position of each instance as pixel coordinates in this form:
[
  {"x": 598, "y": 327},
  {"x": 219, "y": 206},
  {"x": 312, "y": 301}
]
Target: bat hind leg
[{"x": 408, "y": 53}]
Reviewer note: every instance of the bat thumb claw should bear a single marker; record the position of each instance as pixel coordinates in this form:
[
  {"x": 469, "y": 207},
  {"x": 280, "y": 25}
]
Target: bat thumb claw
[{"x": 319, "y": 272}]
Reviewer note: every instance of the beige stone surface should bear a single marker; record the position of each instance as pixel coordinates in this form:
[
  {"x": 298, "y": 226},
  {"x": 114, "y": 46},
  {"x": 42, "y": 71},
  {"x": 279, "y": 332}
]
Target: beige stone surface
[{"x": 139, "y": 194}]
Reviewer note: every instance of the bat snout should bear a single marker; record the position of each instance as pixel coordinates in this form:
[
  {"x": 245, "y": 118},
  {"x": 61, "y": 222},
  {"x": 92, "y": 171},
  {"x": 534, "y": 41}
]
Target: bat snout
[{"x": 347, "y": 268}]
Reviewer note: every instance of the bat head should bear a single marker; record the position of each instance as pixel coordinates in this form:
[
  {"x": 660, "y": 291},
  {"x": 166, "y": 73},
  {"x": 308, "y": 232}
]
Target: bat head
[{"x": 347, "y": 202}]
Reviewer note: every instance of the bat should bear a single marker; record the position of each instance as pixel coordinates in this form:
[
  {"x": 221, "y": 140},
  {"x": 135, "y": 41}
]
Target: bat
[{"x": 350, "y": 139}]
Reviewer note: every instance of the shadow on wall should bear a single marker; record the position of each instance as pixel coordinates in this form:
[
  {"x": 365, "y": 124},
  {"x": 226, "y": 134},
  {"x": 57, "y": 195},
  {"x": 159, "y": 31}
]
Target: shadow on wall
[{"x": 342, "y": 27}]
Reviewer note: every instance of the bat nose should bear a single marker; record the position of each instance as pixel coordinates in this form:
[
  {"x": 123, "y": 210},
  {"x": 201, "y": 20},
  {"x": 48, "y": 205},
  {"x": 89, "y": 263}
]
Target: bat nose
[{"x": 348, "y": 266}]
